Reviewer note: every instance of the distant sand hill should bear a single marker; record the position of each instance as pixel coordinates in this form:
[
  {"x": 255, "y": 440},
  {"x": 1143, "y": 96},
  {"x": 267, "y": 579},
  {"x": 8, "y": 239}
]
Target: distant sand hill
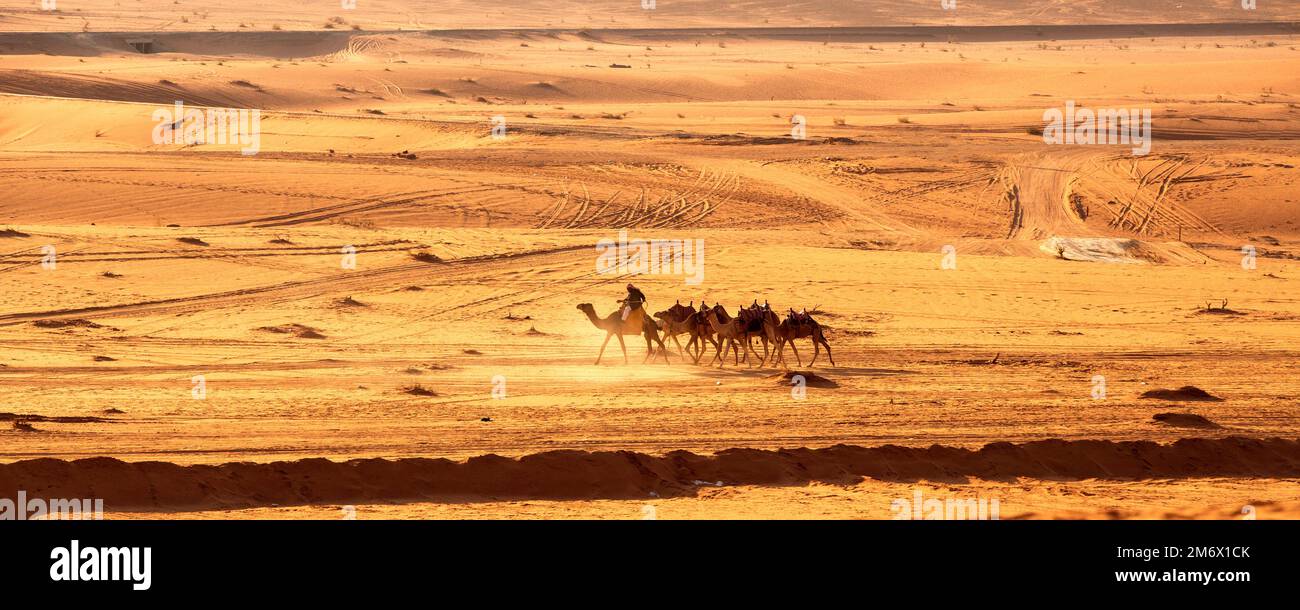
[{"x": 237, "y": 15}]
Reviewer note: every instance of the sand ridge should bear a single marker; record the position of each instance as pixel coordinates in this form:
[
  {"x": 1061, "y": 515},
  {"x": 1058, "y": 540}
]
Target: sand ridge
[
  {"x": 1069, "y": 264},
  {"x": 625, "y": 475}
]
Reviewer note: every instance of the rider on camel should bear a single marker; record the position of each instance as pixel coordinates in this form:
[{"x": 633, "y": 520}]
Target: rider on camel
[{"x": 634, "y": 301}]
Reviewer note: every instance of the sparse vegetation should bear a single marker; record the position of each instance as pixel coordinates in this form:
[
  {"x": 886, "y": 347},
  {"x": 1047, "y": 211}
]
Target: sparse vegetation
[{"x": 418, "y": 390}]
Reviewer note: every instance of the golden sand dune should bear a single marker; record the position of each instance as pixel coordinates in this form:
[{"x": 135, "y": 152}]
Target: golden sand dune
[
  {"x": 580, "y": 475},
  {"x": 228, "y": 15}
]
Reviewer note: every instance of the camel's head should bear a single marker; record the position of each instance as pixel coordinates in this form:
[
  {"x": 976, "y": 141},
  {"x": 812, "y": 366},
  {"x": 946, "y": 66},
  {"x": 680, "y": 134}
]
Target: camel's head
[
  {"x": 719, "y": 312},
  {"x": 662, "y": 315},
  {"x": 586, "y": 307}
]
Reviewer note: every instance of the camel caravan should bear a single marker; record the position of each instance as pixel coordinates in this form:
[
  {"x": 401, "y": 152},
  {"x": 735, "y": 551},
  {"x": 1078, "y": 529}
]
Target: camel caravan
[{"x": 710, "y": 326}]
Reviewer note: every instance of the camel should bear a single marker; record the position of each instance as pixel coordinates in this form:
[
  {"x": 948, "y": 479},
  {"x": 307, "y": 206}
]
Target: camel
[
  {"x": 636, "y": 324},
  {"x": 717, "y": 317},
  {"x": 681, "y": 319},
  {"x": 702, "y": 333},
  {"x": 731, "y": 330},
  {"x": 761, "y": 322},
  {"x": 679, "y": 311},
  {"x": 792, "y": 328},
  {"x": 671, "y": 327}
]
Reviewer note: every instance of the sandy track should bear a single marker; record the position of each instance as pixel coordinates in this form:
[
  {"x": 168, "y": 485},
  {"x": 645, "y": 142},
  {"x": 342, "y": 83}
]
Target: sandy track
[
  {"x": 343, "y": 283},
  {"x": 1038, "y": 188}
]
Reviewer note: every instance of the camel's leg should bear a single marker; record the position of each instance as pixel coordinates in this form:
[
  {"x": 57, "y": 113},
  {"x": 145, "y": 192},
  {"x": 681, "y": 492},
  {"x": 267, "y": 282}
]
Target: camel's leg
[
  {"x": 650, "y": 339},
  {"x": 652, "y": 336},
  {"x": 717, "y": 351},
  {"x": 602, "y": 348},
  {"x": 709, "y": 338},
  {"x": 775, "y": 338},
  {"x": 679, "y": 346},
  {"x": 622, "y": 345},
  {"x": 700, "y": 344},
  {"x": 797, "y": 357},
  {"x": 663, "y": 349},
  {"x": 750, "y": 345},
  {"x": 729, "y": 346},
  {"x": 827, "y": 346},
  {"x": 817, "y": 350}
]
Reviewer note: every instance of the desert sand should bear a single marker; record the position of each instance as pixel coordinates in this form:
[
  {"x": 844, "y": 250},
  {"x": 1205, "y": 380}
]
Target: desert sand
[{"x": 978, "y": 286}]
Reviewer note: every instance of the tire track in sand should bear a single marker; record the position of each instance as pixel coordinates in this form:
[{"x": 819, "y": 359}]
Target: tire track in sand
[
  {"x": 1037, "y": 189},
  {"x": 286, "y": 291}
]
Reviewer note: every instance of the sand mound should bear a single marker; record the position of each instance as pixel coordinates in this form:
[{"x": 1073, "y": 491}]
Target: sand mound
[
  {"x": 1099, "y": 249},
  {"x": 67, "y": 323},
  {"x": 90, "y": 86},
  {"x": 418, "y": 390},
  {"x": 810, "y": 379},
  {"x": 426, "y": 257},
  {"x": 298, "y": 330},
  {"x": 1186, "y": 392},
  {"x": 625, "y": 474},
  {"x": 66, "y": 419},
  {"x": 1185, "y": 420},
  {"x": 1218, "y": 311}
]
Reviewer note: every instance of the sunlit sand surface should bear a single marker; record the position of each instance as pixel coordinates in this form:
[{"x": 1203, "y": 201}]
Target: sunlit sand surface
[{"x": 456, "y": 334}]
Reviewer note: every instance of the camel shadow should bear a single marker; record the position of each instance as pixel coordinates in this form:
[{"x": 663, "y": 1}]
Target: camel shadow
[
  {"x": 828, "y": 373},
  {"x": 860, "y": 371}
]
